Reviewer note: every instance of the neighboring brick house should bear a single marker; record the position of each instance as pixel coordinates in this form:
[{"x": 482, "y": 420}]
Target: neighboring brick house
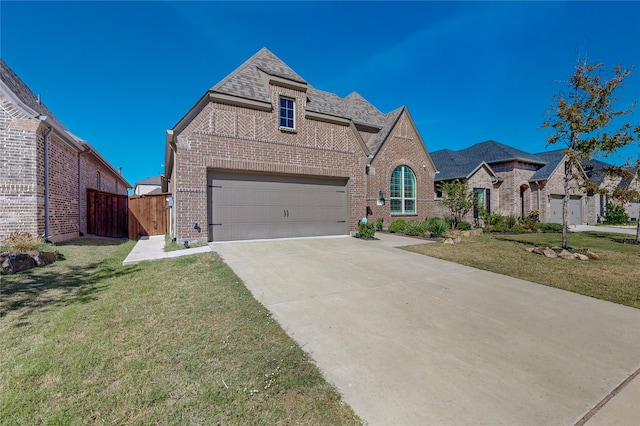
[
  {"x": 597, "y": 172},
  {"x": 509, "y": 181},
  {"x": 151, "y": 185},
  {"x": 50, "y": 204},
  {"x": 263, "y": 154}
]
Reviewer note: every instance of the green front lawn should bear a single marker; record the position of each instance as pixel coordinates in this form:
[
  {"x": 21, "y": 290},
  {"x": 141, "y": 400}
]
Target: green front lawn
[
  {"x": 178, "y": 341},
  {"x": 615, "y": 277}
]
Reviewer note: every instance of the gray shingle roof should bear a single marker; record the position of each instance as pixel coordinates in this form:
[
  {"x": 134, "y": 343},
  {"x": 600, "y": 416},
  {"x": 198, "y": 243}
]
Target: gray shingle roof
[
  {"x": 596, "y": 170},
  {"x": 155, "y": 180},
  {"x": 460, "y": 164},
  {"x": 361, "y": 111},
  {"x": 388, "y": 121},
  {"x": 495, "y": 152},
  {"x": 452, "y": 165},
  {"x": 246, "y": 82},
  {"x": 552, "y": 158}
]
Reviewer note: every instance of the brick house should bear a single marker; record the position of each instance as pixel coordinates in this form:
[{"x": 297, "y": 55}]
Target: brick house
[
  {"x": 509, "y": 181},
  {"x": 263, "y": 154},
  {"x": 45, "y": 170},
  {"x": 597, "y": 172}
]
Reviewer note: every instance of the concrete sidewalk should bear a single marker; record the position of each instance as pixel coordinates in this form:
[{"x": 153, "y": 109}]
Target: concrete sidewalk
[
  {"x": 630, "y": 230},
  {"x": 152, "y": 248}
]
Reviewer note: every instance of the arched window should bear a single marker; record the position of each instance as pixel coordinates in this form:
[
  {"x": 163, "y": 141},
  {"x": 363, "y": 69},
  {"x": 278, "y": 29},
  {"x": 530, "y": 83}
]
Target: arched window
[{"x": 403, "y": 190}]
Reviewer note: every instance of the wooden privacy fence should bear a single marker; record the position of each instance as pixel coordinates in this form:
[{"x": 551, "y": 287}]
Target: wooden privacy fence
[
  {"x": 149, "y": 215},
  {"x": 106, "y": 214}
]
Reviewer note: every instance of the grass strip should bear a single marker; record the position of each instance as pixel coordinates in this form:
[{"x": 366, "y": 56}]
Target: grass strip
[
  {"x": 178, "y": 341},
  {"x": 615, "y": 277}
]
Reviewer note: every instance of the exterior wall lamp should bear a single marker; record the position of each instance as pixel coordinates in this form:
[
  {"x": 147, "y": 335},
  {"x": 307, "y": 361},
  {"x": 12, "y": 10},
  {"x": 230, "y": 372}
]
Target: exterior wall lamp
[{"x": 380, "y": 201}]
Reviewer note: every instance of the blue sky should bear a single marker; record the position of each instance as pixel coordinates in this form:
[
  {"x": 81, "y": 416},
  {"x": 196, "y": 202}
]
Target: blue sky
[{"x": 118, "y": 74}]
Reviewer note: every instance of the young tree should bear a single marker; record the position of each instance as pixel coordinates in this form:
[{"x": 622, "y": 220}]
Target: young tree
[
  {"x": 458, "y": 198},
  {"x": 581, "y": 118}
]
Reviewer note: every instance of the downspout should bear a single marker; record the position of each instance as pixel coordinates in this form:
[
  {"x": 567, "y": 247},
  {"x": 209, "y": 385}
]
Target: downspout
[
  {"x": 87, "y": 149},
  {"x": 174, "y": 209},
  {"x": 46, "y": 183}
]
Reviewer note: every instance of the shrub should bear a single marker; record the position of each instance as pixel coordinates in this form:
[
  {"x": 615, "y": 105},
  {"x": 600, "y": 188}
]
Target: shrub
[
  {"x": 366, "y": 230},
  {"x": 511, "y": 221},
  {"x": 464, "y": 226},
  {"x": 616, "y": 215},
  {"x": 493, "y": 219},
  {"x": 416, "y": 228},
  {"x": 22, "y": 241},
  {"x": 528, "y": 223},
  {"x": 379, "y": 224},
  {"x": 499, "y": 227},
  {"x": 518, "y": 229},
  {"x": 437, "y": 226},
  {"x": 550, "y": 227},
  {"x": 397, "y": 226}
]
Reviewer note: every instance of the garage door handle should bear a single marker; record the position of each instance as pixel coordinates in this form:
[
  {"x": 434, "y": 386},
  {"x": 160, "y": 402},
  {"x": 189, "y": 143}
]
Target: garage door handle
[{"x": 286, "y": 213}]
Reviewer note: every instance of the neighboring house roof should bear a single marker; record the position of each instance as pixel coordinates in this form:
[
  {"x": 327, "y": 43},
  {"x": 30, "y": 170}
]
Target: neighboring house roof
[
  {"x": 493, "y": 152},
  {"x": 20, "y": 95},
  {"x": 452, "y": 165},
  {"x": 464, "y": 163},
  {"x": 596, "y": 170},
  {"x": 26, "y": 101},
  {"x": 155, "y": 180},
  {"x": 154, "y": 191},
  {"x": 552, "y": 159},
  {"x": 633, "y": 174}
]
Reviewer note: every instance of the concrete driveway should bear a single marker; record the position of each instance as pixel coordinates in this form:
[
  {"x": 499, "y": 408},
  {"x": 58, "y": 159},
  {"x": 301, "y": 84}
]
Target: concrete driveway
[{"x": 412, "y": 340}]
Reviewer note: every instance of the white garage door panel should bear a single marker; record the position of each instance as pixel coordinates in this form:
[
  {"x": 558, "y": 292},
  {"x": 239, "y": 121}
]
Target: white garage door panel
[
  {"x": 245, "y": 206},
  {"x": 556, "y": 209},
  {"x": 575, "y": 209}
]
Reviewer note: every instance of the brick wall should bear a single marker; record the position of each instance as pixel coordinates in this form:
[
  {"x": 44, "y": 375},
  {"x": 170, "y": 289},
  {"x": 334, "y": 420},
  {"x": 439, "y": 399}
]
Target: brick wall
[
  {"x": 18, "y": 165},
  {"x": 237, "y": 138},
  {"x": 403, "y": 147},
  {"x": 22, "y": 180},
  {"x": 480, "y": 179}
]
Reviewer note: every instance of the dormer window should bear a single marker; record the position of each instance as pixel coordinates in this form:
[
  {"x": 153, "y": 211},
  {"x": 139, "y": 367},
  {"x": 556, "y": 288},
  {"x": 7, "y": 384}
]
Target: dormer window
[{"x": 287, "y": 116}]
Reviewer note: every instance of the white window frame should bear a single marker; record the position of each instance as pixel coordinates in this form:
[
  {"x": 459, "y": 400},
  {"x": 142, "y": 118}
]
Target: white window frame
[
  {"x": 403, "y": 198},
  {"x": 286, "y": 117}
]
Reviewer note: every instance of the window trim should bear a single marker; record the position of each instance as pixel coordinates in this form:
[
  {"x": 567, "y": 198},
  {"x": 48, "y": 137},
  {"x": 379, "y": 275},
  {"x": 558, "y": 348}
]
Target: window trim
[
  {"x": 403, "y": 198},
  {"x": 486, "y": 201},
  {"x": 286, "y": 108}
]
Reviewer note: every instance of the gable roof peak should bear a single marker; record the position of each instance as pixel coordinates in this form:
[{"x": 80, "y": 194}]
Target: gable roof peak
[{"x": 246, "y": 81}]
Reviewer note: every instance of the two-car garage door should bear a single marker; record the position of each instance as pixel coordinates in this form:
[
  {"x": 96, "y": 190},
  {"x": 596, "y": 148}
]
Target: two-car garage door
[{"x": 246, "y": 206}]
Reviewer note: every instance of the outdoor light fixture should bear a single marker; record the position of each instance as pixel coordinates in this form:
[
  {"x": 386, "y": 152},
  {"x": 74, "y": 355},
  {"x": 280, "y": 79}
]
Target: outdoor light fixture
[
  {"x": 186, "y": 244},
  {"x": 380, "y": 201},
  {"x": 196, "y": 226}
]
